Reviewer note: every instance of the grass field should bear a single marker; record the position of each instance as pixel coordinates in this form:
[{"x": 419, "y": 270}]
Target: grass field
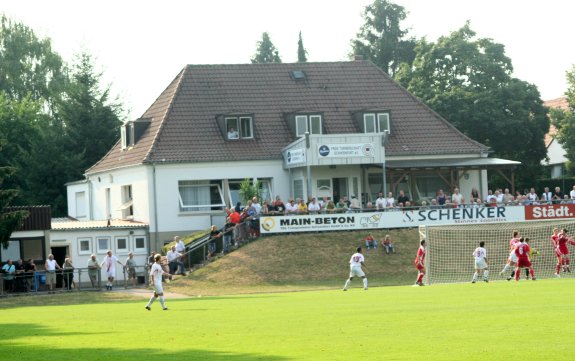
[{"x": 496, "y": 321}]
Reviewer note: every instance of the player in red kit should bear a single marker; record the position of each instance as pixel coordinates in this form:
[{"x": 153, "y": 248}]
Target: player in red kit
[
  {"x": 555, "y": 243},
  {"x": 522, "y": 250},
  {"x": 563, "y": 251},
  {"x": 420, "y": 263},
  {"x": 512, "y": 259}
]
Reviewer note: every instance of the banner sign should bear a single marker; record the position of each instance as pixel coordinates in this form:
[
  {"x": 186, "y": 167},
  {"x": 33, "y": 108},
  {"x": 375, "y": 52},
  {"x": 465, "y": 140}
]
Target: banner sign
[
  {"x": 295, "y": 156},
  {"x": 392, "y": 219},
  {"x": 346, "y": 150},
  {"x": 552, "y": 211}
]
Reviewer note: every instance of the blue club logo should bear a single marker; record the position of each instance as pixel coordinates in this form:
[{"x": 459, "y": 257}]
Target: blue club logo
[{"x": 323, "y": 150}]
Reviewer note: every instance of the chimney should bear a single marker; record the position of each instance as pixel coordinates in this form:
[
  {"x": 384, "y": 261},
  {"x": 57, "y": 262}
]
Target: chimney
[{"x": 358, "y": 57}]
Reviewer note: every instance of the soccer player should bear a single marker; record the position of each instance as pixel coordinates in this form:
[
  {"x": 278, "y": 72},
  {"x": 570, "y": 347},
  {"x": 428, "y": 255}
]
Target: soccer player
[
  {"x": 523, "y": 251},
  {"x": 555, "y": 243},
  {"x": 512, "y": 259},
  {"x": 420, "y": 263},
  {"x": 156, "y": 276},
  {"x": 480, "y": 255},
  {"x": 110, "y": 262},
  {"x": 562, "y": 241},
  {"x": 355, "y": 264}
]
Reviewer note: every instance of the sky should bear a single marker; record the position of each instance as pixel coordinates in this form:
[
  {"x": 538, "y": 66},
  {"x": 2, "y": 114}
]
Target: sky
[{"x": 140, "y": 46}]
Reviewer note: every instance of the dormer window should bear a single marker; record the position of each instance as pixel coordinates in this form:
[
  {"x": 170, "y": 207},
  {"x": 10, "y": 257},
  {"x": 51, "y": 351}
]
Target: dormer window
[
  {"x": 376, "y": 123},
  {"x": 239, "y": 128},
  {"x": 127, "y": 134},
  {"x": 308, "y": 123}
]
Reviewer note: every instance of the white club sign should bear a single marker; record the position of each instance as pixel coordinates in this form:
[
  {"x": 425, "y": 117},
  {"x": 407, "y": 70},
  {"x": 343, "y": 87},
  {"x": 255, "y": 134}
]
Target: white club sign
[{"x": 346, "y": 150}]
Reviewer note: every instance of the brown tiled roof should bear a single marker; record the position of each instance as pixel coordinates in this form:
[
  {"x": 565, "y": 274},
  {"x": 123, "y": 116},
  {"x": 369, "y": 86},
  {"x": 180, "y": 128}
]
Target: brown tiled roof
[{"x": 183, "y": 119}]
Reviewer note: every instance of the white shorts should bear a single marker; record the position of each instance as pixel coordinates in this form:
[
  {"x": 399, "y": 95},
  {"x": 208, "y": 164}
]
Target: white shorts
[
  {"x": 356, "y": 271},
  {"x": 158, "y": 288},
  {"x": 480, "y": 264},
  {"x": 513, "y": 257},
  {"x": 111, "y": 274}
]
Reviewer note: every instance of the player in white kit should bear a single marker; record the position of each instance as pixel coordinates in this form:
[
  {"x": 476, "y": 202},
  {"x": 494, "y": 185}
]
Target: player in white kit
[
  {"x": 480, "y": 255},
  {"x": 156, "y": 274},
  {"x": 355, "y": 263}
]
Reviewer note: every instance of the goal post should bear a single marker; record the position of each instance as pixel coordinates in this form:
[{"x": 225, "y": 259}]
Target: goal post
[{"x": 449, "y": 249}]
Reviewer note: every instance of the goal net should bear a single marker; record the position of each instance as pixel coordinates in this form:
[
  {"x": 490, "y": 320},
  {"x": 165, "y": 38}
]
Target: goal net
[{"x": 449, "y": 256}]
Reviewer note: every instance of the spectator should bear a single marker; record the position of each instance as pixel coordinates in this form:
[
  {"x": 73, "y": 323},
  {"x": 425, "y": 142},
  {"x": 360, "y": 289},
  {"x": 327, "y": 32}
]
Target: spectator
[
  {"x": 291, "y": 207},
  {"x": 19, "y": 277},
  {"x": 572, "y": 193},
  {"x": 490, "y": 198},
  {"x": 457, "y": 198},
  {"x": 322, "y": 202},
  {"x": 330, "y": 207},
  {"x": 547, "y": 196},
  {"x": 68, "y": 274},
  {"x": 532, "y": 196},
  {"x": 214, "y": 235},
  {"x": 499, "y": 197},
  {"x": 441, "y": 198},
  {"x": 507, "y": 197},
  {"x": 390, "y": 201},
  {"x": 238, "y": 208},
  {"x": 402, "y": 198},
  {"x": 341, "y": 206},
  {"x": 313, "y": 206},
  {"x": 369, "y": 207},
  {"x": 94, "y": 269},
  {"x": 370, "y": 242},
  {"x": 302, "y": 207},
  {"x": 566, "y": 200},
  {"x": 9, "y": 271},
  {"x": 131, "y": 268},
  {"x": 174, "y": 262},
  {"x": 475, "y": 194},
  {"x": 380, "y": 202},
  {"x": 29, "y": 271},
  {"x": 257, "y": 207},
  {"x": 558, "y": 195},
  {"x": 51, "y": 265},
  {"x": 233, "y": 134},
  {"x": 228, "y": 233},
  {"x": 387, "y": 244},
  {"x": 355, "y": 205},
  {"x": 434, "y": 204},
  {"x": 180, "y": 246},
  {"x": 266, "y": 208}
]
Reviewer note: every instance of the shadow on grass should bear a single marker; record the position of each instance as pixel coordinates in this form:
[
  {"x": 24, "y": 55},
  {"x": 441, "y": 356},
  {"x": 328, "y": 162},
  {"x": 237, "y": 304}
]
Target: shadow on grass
[{"x": 11, "y": 333}]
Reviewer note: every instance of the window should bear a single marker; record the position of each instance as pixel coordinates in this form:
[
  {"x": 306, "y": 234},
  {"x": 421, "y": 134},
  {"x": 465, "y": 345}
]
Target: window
[
  {"x": 80, "y": 204},
  {"x": 305, "y": 123},
  {"x": 376, "y": 123},
  {"x": 84, "y": 246},
  {"x": 324, "y": 184},
  {"x": 200, "y": 196},
  {"x": 140, "y": 243},
  {"x": 234, "y": 195},
  {"x": 103, "y": 244},
  {"x": 127, "y": 135},
  {"x": 298, "y": 188},
  {"x": 123, "y": 136},
  {"x": 239, "y": 128},
  {"x": 127, "y": 202},
  {"x": 121, "y": 244}
]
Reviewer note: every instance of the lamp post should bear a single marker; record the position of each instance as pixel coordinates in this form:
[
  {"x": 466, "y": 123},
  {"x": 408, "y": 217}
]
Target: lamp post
[{"x": 384, "y": 138}]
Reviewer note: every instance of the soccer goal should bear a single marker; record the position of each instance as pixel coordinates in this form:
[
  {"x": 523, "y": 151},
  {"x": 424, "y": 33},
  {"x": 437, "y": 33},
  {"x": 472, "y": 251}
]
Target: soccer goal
[{"x": 449, "y": 249}]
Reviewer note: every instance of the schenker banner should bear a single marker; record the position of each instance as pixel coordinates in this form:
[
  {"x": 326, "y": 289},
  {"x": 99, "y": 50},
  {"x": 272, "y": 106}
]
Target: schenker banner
[{"x": 413, "y": 218}]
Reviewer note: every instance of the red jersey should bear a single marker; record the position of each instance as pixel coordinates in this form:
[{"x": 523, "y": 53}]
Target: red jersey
[
  {"x": 235, "y": 218},
  {"x": 420, "y": 258},
  {"x": 562, "y": 241},
  {"x": 513, "y": 243},
  {"x": 522, "y": 251}
]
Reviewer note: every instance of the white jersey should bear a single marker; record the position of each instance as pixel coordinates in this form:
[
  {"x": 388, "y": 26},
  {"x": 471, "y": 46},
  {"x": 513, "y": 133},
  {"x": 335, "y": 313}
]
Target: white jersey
[
  {"x": 110, "y": 264},
  {"x": 156, "y": 272},
  {"x": 356, "y": 260},
  {"x": 50, "y": 265},
  {"x": 480, "y": 254}
]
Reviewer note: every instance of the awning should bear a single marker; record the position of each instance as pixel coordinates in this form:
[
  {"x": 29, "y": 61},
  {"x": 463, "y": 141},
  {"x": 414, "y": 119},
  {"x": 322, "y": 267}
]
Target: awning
[{"x": 451, "y": 163}]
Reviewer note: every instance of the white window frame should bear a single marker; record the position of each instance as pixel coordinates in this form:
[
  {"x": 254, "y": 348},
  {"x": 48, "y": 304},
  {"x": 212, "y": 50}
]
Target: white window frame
[
  {"x": 299, "y": 183},
  {"x": 127, "y": 206},
  {"x": 375, "y": 120},
  {"x": 123, "y": 136},
  {"x": 323, "y": 184},
  {"x": 239, "y": 121},
  {"x": 140, "y": 249},
  {"x": 100, "y": 250},
  {"x": 308, "y": 122},
  {"x": 197, "y": 207},
  {"x": 80, "y": 241},
  {"x": 124, "y": 250},
  {"x": 80, "y": 198}
]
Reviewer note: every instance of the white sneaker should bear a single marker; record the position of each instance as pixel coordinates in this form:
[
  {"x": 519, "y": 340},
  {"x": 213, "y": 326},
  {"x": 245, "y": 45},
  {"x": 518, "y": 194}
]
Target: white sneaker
[{"x": 557, "y": 275}]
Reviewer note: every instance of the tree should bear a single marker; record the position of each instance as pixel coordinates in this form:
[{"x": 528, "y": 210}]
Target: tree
[
  {"x": 301, "y": 52},
  {"x": 468, "y": 82},
  {"x": 249, "y": 189},
  {"x": 29, "y": 67},
  {"x": 564, "y": 121},
  {"x": 381, "y": 38},
  {"x": 9, "y": 220},
  {"x": 266, "y": 51}
]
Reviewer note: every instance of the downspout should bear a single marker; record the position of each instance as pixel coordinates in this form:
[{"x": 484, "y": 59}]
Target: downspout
[
  {"x": 156, "y": 233},
  {"x": 91, "y": 209}
]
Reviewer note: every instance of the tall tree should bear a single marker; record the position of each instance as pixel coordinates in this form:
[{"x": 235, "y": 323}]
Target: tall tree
[
  {"x": 301, "y": 52},
  {"x": 564, "y": 121},
  {"x": 29, "y": 66},
  {"x": 266, "y": 51},
  {"x": 91, "y": 119},
  {"x": 468, "y": 81},
  {"x": 9, "y": 220},
  {"x": 381, "y": 39}
]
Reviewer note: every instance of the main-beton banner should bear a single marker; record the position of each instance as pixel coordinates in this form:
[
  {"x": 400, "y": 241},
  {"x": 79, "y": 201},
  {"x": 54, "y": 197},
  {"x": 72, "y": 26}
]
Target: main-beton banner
[{"x": 413, "y": 218}]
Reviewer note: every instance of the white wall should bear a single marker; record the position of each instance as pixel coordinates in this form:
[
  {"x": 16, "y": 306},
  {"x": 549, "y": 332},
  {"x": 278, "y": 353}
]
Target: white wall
[
  {"x": 555, "y": 153},
  {"x": 71, "y": 192}
]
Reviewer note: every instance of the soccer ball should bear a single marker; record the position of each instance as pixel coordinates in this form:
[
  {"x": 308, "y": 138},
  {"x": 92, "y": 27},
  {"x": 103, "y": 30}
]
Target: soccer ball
[{"x": 534, "y": 252}]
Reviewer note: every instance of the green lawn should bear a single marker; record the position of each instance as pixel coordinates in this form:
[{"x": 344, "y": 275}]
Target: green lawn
[{"x": 444, "y": 322}]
